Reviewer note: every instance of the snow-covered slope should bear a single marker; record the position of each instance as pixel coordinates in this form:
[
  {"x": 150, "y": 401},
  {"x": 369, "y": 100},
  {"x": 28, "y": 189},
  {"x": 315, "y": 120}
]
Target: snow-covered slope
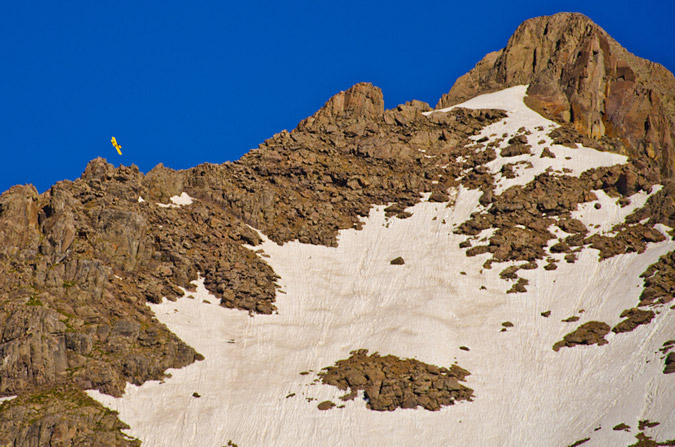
[
  {"x": 572, "y": 162},
  {"x": 334, "y": 300}
]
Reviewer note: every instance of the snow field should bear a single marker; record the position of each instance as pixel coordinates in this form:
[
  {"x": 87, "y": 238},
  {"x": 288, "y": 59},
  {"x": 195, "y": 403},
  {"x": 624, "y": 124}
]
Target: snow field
[
  {"x": 567, "y": 161},
  {"x": 350, "y": 297}
]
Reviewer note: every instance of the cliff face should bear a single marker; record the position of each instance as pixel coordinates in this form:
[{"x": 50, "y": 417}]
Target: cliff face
[{"x": 580, "y": 75}]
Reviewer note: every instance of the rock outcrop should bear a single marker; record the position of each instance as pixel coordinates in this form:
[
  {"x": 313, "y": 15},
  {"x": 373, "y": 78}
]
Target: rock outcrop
[
  {"x": 361, "y": 102},
  {"x": 390, "y": 382},
  {"x": 61, "y": 416},
  {"x": 591, "y": 333},
  {"x": 578, "y": 74}
]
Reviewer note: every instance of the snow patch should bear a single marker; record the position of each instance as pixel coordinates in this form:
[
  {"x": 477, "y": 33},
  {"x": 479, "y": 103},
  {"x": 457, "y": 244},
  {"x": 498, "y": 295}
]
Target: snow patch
[
  {"x": 601, "y": 215},
  {"x": 351, "y": 297},
  {"x": 177, "y": 201},
  {"x": 567, "y": 161}
]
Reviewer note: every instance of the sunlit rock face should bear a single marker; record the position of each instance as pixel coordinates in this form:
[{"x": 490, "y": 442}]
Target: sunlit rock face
[{"x": 579, "y": 74}]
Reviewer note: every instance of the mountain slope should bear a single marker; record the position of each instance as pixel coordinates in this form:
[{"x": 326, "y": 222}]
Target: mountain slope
[
  {"x": 86, "y": 256},
  {"x": 488, "y": 195},
  {"x": 351, "y": 297}
]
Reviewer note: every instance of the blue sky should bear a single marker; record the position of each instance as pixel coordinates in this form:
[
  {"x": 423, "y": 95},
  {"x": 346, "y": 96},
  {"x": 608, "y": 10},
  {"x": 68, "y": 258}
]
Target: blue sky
[{"x": 189, "y": 82}]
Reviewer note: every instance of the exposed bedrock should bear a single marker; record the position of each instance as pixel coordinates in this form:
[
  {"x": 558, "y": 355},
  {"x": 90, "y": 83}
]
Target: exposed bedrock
[{"x": 580, "y": 75}]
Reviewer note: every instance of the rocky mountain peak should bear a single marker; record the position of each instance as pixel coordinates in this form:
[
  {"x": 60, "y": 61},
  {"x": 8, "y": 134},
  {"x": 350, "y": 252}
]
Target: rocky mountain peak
[
  {"x": 362, "y": 100},
  {"x": 98, "y": 169},
  {"x": 578, "y": 74}
]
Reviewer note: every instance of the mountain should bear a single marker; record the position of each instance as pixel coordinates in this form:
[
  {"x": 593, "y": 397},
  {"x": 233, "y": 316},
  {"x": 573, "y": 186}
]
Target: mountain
[
  {"x": 474, "y": 274},
  {"x": 578, "y": 74}
]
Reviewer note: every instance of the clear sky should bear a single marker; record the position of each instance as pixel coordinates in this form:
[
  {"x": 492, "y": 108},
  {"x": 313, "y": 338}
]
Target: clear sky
[{"x": 189, "y": 82}]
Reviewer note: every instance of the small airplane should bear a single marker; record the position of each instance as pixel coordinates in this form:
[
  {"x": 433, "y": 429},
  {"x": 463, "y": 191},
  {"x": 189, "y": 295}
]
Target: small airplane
[{"x": 117, "y": 146}]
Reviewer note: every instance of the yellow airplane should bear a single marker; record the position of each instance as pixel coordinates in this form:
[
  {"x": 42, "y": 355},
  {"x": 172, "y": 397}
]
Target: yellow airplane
[{"x": 117, "y": 146}]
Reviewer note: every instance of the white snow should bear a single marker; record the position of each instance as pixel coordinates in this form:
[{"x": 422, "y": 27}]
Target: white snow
[
  {"x": 350, "y": 297},
  {"x": 182, "y": 199},
  {"x": 6, "y": 398},
  {"x": 335, "y": 300},
  {"x": 567, "y": 161},
  {"x": 610, "y": 213},
  {"x": 177, "y": 201}
]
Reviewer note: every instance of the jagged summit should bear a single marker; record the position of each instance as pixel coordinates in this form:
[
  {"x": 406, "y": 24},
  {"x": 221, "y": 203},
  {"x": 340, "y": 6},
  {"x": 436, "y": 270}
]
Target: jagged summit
[
  {"x": 362, "y": 100},
  {"x": 579, "y": 74}
]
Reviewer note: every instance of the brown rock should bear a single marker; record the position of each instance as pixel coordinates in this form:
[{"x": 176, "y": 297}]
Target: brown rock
[
  {"x": 391, "y": 382},
  {"x": 19, "y": 231},
  {"x": 670, "y": 363},
  {"x": 477, "y": 250},
  {"x": 633, "y": 318},
  {"x": 589, "y": 333},
  {"x": 515, "y": 149},
  {"x": 397, "y": 261},
  {"x": 362, "y": 101},
  {"x": 577, "y": 73},
  {"x": 61, "y": 416},
  {"x": 646, "y": 423},
  {"x": 439, "y": 197},
  {"x": 32, "y": 347},
  {"x": 325, "y": 405},
  {"x": 519, "y": 286},
  {"x": 546, "y": 153}
]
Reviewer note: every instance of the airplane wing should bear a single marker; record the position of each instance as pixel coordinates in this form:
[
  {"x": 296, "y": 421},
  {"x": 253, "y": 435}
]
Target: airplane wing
[{"x": 117, "y": 146}]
